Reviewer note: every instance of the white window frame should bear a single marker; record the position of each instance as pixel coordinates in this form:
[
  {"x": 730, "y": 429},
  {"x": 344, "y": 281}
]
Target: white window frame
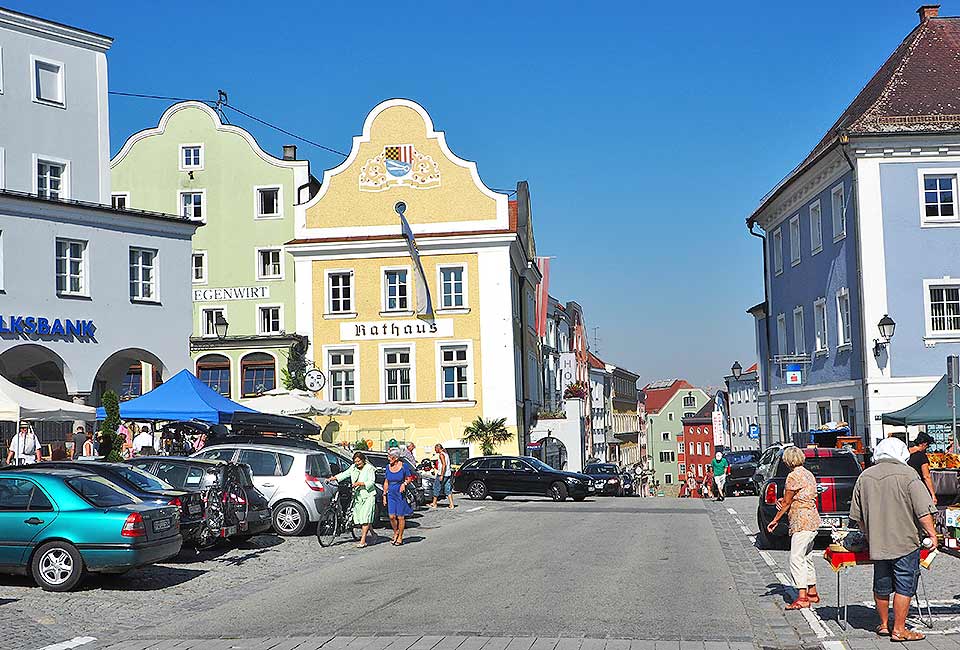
[
  {"x": 201, "y": 326},
  {"x": 932, "y": 337},
  {"x": 777, "y": 246},
  {"x": 61, "y": 75},
  {"x": 84, "y": 269},
  {"x": 155, "y": 298},
  {"x": 382, "y": 350},
  {"x": 838, "y": 192},
  {"x": 821, "y": 327},
  {"x": 383, "y": 290},
  {"x": 258, "y": 269},
  {"x": 668, "y": 478},
  {"x": 781, "y": 333},
  {"x": 816, "y": 227},
  {"x": 329, "y": 370},
  {"x": 465, "y": 307},
  {"x": 181, "y": 165},
  {"x": 799, "y": 338},
  {"x": 116, "y": 195},
  {"x": 939, "y": 222},
  {"x": 259, "y": 216},
  {"x": 843, "y": 325},
  {"x": 795, "y": 251},
  {"x": 203, "y": 254},
  {"x": 261, "y": 306},
  {"x": 64, "y": 175},
  {"x": 664, "y": 436},
  {"x": 203, "y": 203},
  {"x": 438, "y": 359},
  {"x": 328, "y": 295}
]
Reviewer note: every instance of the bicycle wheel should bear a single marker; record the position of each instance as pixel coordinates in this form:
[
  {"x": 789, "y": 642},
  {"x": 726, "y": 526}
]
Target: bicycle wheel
[
  {"x": 354, "y": 529},
  {"x": 328, "y": 527}
]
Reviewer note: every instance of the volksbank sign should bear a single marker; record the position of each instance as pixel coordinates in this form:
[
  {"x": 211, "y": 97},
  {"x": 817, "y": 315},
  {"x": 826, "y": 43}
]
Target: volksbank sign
[{"x": 45, "y": 328}]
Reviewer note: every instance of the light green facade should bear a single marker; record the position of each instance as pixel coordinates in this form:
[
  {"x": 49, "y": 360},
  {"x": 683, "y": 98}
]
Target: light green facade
[
  {"x": 150, "y": 171},
  {"x": 669, "y": 420}
]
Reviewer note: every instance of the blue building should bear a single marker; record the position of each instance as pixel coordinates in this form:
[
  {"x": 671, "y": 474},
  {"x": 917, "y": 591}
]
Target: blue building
[{"x": 866, "y": 229}]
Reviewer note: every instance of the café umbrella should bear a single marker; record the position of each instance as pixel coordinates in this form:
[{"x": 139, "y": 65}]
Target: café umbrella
[
  {"x": 294, "y": 402},
  {"x": 18, "y": 403}
]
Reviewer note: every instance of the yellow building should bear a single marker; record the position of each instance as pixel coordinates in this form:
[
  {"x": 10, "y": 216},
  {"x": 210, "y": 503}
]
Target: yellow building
[{"x": 409, "y": 378}]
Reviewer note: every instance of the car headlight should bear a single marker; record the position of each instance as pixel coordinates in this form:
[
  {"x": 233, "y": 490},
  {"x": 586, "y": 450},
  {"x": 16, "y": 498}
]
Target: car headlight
[
  {"x": 612, "y": 480},
  {"x": 574, "y": 480}
]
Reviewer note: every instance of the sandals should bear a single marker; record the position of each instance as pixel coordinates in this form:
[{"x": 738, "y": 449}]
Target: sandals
[
  {"x": 882, "y": 631},
  {"x": 364, "y": 545},
  {"x": 908, "y": 635},
  {"x": 799, "y": 604},
  {"x": 814, "y": 599},
  {"x": 396, "y": 543}
]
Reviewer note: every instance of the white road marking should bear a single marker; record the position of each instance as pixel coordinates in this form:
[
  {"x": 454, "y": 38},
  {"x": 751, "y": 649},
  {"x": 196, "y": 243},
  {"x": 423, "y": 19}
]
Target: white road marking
[
  {"x": 833, "y": 645},
  {"x": 75, "y": 642},
  {"x": 752, "y": 538},
  {"x": 816, "y": 623},
  {"x": 731, "y": 511},
  {"x": 746, "y": 531},
  {"x": 769, "y": 560},
  {"x": 475, "y": 509}
]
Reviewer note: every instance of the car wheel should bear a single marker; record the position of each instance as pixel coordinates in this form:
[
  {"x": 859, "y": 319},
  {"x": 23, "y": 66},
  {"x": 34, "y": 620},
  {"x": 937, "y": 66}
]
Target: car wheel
[
  {"x": 57, "y": 566},
  {"x": 289, "y": 518},
  {"x": 477, "y": 490},
  {"x": 498, "y": 497},
  {"x": 558, "y": 491},
  {"x": 580, "y": 498}
]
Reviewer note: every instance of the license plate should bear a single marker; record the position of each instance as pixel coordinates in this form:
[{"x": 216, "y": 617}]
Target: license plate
[
  {"x": 161, "y": 525},
  {"x": 833, "y": 522},
  {"x": 194, "y": 508}
]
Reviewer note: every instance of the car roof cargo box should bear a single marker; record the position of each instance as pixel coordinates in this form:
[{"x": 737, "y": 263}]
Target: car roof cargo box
[{"x": 253, "y": 424}]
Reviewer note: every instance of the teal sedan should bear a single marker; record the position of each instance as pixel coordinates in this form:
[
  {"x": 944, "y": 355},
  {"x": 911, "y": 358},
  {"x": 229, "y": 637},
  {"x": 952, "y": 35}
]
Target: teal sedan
[{"x": 59, "y": 524}]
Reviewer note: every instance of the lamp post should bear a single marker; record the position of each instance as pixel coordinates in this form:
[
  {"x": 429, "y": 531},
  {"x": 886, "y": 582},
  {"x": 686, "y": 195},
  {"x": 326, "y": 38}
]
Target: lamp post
[
  {"x": 220, "y": 326},
  {"x": 736, "y": 369},
  {"x": 887, "y": 327}
]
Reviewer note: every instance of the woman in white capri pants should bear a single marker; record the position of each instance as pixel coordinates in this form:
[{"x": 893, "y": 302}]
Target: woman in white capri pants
[{"x": 800, "y": 501}]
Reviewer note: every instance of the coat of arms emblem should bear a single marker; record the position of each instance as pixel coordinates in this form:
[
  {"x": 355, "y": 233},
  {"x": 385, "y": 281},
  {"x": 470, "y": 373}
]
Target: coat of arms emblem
[{"x": 399, "y": 165}]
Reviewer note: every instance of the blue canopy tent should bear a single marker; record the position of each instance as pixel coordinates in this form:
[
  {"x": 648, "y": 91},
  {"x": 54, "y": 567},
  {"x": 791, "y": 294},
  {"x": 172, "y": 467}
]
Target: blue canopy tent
[{"x": 183, "y": 397}]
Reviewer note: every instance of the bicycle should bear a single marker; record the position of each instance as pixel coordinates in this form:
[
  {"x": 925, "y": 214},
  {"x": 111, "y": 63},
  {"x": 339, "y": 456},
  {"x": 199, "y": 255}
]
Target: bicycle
[{"x": 333, "y": 522}]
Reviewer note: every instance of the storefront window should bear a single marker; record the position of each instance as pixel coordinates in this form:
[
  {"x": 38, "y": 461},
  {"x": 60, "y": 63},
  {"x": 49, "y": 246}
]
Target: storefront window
[
  {"x": 132, "y": 385},
  {"x": 214, "y": 371},
  {"x": 259, "y": 372}
]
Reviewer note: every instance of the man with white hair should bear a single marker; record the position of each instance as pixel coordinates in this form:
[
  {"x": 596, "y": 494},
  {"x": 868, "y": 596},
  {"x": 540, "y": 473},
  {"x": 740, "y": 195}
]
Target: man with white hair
[{"x": 893, "y": 509}]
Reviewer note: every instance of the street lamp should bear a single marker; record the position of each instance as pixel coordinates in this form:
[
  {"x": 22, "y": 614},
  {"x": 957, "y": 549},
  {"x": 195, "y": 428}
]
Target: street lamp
[
  {"x": 737, "y": 370},
  {"x": 887, "y": 326},
  {"x": 220, "y": 326}
]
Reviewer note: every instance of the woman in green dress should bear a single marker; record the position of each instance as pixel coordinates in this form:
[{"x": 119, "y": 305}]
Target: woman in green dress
[{"x": 363, "y": 479}]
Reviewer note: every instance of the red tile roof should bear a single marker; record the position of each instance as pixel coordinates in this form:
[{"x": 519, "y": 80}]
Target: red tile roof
[
  {"x": 917, "y": 90},
  {"x": 657, "y": 398},
  {"x": 595, "y": 362}
]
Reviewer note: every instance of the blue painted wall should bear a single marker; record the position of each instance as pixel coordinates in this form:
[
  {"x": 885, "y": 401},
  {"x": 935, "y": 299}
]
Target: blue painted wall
[
  {"x": 817, "y": 276},
  {"x": 913, "y": 254}
]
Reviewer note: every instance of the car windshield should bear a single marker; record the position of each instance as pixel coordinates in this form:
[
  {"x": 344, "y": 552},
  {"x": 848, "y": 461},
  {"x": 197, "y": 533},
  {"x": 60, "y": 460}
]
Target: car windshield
[
  {"x": 601, "y": 469},
  {"x": 99, "y": 492},
  {"x": 141, "y": 479},
  {"x": 379, "y": 462},
  {"x": 739, "y": 457},
  {"x": 833, "y": 465},
  {"x": 539, "y": 464}
]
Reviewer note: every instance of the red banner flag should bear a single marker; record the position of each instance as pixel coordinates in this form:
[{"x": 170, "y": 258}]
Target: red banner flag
[{"x": 543, "y": 295}]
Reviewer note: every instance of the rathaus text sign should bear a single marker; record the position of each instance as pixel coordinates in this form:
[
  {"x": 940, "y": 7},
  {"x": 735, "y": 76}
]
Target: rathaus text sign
[
  {"x": 46, "y": 328},
  {"x": 231, "y": 293},
  {"x": 396, "y": 330}
]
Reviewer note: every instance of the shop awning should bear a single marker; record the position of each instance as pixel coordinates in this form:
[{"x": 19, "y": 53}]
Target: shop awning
[
  {"x": 295, "y": 402},
  {"x": 929, "y": 409},
  {"x": 18, "y": 403},
  {"x": 183, "y": 397}
]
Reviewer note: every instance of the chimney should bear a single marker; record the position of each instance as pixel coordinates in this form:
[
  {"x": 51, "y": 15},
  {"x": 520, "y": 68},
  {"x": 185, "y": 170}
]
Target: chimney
[
  {"x": 290, "y": 150},
  {"x": 928, "y": 11}
]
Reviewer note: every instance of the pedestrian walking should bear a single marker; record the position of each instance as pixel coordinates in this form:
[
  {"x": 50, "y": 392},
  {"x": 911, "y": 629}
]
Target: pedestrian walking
[
  {"x": 398, "y": 477},
  {"x": 706, "y": 488},
  {"x": 88, "y": 449},
  {"x": 24, "y": 447},
  {"x": 407, "y": 452},
  {"x": 363, "y": 480},
  {"x": 721, "y": 467},
  {"x": 893, "y": 509},
  {"x": 79, "y": 437},
  {"x": 144, "y": 442},
  {"x": 918, "y": 460},
  {"x": 799, "y": 502},
  {"x": 443, "y": 483}
]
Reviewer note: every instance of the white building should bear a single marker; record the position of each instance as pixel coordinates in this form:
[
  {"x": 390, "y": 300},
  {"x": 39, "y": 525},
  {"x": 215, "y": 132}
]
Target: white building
[{"x": 744, "y": 408}]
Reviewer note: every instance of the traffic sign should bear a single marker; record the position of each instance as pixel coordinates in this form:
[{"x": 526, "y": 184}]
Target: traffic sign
[{"x": 754, "y": 432}]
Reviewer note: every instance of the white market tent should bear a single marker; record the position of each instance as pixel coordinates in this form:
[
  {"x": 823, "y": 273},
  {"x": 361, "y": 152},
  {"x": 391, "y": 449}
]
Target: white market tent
[
  {"x": 294, "y": 402},
  {"x": 18, "y": 403}
]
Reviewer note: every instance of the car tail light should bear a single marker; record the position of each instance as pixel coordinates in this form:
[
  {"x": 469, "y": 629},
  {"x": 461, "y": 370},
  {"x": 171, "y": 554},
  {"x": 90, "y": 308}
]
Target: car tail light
[
  {"x": 133, "y": 526},
  {"x": 457, "y": 473},
  {"x": 314, "y": 483},
  {"x": 235, "y": 498},
  {"x": 175, "y": 501},
  {"x": 770, "y": 494}
]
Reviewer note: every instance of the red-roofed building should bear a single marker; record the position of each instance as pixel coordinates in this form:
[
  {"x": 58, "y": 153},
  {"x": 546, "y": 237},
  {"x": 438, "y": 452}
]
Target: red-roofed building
[{"x": 666, "y": 404}]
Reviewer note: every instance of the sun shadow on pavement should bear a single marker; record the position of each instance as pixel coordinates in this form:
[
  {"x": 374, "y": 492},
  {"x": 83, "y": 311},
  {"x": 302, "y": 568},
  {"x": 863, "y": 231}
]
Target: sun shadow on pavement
[
  {"x": 786, "y": 592},
  {"x": 189, "y": 555},
  {"x": 152, "y": 578}
]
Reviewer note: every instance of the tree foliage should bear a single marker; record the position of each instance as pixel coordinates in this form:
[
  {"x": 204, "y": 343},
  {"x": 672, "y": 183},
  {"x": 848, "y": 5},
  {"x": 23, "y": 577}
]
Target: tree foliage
[
  {"x": 108, "y": 428},
  {"x": 486, "y": 433}
]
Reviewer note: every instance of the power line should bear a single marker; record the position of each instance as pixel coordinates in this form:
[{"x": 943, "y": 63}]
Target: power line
[
  {"x": 284, "y": 131},
  {"x": 164, "y": 97}
]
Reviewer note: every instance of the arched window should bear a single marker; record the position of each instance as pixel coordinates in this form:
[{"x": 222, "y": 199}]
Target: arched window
[
  {"x": 258, "y": 373},
  {"x": 214, "y": 371}
]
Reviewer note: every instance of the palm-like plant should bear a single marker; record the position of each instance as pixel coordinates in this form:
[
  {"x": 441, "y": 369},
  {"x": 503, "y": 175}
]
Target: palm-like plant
[{"x": 487, "y": 434}]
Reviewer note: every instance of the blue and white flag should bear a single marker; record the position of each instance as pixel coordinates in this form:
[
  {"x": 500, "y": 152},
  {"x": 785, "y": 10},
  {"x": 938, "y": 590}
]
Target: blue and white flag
[{"x": 424, "y": 302}]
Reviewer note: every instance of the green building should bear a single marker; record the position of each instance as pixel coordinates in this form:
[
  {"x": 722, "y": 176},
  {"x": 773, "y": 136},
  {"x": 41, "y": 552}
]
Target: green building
[
  {"x": 667, "y": 403},
  {"x": 192, "y": 163}
]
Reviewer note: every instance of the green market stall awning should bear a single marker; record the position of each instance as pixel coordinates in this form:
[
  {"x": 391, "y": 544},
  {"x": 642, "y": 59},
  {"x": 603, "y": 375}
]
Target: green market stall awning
[{"x": 929, "y": 409}]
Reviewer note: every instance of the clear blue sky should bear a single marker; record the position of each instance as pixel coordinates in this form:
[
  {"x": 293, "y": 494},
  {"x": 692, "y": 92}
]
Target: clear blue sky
[{"x": 647, "y": 130}]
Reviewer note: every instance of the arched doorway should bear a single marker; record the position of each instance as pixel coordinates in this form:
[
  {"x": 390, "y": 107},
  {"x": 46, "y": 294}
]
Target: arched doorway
[
  {"x": 258, "y": 374},
  {"x": 214, "y": 371},
  {"x": 39, "y": 369},
  {"x": 129, "y": 372},
  {"x": 551, "y": 451}
]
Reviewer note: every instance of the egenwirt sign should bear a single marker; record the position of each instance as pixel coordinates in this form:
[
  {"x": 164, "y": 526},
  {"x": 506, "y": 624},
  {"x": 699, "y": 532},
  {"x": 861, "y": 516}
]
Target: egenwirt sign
[
  {"x": 46, "y": 328},
  {"x": 396, "y": 330},
  {"x": 231, "y": 293}
]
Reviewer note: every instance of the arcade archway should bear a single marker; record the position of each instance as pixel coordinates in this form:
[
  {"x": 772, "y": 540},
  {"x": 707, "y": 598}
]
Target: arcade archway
[
  {"x": 130, "y": 372},
  {"x": 39, "y": 369}
]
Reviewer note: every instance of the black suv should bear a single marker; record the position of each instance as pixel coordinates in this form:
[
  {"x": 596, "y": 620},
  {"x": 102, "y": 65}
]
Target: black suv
[
  {"x": 743, "y": 467},
  {"x": 503, "y": 476},
  {"x": 836, "y": 471}
]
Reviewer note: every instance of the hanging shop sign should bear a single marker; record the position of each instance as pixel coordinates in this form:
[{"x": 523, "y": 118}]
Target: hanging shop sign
[
  {"x": 396, "y": 330},
  {"x": 231, "y": 293},
  {"x": 45, "y": 328},
  {"x": 794, "y": 374}
]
